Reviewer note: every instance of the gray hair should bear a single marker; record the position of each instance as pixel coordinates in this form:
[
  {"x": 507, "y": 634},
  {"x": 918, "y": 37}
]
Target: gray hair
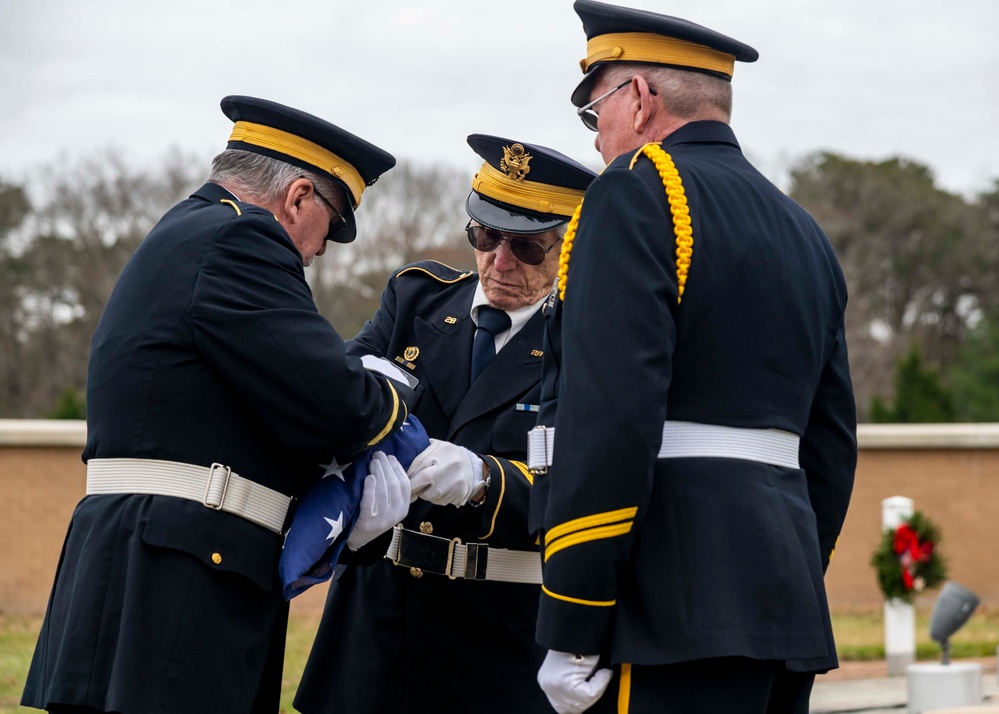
[
  {"x": 688, "y": 95},
  {"x": 254, "y": 176}
]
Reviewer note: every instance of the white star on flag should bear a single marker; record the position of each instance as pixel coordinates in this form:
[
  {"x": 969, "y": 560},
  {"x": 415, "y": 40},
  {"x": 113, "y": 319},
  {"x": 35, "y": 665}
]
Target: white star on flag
[
  {"x": 334, "y": 468},
  {"x": 336, "y": 527}
]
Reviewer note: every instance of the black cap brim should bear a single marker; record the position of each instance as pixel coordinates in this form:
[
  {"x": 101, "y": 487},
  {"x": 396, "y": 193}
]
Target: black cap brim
[
  {"x": 502, "y": 219},
  {"x": 349, "y": 232}
]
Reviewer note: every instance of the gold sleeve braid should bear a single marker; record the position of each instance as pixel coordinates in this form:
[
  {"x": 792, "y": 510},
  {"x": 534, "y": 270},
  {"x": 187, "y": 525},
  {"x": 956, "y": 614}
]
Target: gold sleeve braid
[{"x": 678, "y": 209}]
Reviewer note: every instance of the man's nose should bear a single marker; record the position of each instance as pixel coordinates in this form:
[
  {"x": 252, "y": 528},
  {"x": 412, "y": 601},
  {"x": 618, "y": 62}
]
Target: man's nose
[{"x": 505, "y": 259}]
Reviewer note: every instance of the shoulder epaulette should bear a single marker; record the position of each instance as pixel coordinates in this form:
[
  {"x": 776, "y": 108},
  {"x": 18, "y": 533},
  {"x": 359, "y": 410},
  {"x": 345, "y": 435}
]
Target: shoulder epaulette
[
  {"x": 438, "y": 271},
  {"x": 240, "y": 208}
]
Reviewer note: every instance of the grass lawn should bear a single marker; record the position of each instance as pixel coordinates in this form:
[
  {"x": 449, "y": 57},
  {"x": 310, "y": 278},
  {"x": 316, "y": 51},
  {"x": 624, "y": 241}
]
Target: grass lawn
[{"x": 859, "y": 636}]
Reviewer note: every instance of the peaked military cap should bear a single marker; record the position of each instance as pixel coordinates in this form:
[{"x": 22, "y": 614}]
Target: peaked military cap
[
  {"x": 622, "y": 34},
  {"x": 524, "y": 188},
  {"x": 311, "y": 143}
]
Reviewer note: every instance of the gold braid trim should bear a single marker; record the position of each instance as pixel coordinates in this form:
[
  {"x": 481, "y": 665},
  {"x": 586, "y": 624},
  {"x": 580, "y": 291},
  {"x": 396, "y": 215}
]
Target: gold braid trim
[
  {"x": 677, "y": 206},
  {"x": 563, "y": 256}
]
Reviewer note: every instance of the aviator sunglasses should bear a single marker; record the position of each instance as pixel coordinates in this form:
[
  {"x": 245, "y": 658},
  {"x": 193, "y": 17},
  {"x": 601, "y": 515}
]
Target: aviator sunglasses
[
  {"x": 338, "y": 224},
  {"x": 590, "y": 117},
  {"x": 526, "y": 251}
]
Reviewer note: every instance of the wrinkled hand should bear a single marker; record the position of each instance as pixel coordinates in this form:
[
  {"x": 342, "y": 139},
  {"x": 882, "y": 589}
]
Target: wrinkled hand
[
  {"x": 563, "y": 677},
  {"x": 445, "y": 473},
  {"x": 384, "y": 501}
]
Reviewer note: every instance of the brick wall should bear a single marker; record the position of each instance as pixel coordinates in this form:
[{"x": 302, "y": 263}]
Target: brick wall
[
  {"x": 41, "y": 480},
  {"x": 950, "y": 471}
]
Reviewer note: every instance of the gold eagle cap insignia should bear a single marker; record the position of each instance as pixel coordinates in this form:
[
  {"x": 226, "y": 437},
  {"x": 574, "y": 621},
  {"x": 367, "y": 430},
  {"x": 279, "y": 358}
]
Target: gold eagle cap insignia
[{"x": 515, "y": 162}]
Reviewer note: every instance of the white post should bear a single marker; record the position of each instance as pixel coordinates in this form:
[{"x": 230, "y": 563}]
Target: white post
[{"x": 900, "y": 617}]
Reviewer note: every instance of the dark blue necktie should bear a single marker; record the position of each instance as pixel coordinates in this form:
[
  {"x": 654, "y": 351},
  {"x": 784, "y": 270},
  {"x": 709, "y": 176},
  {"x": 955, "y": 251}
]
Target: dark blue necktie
[{"x": 491, "y": 323}]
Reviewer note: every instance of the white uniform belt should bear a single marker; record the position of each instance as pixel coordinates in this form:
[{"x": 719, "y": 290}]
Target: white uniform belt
[
  {"x": 216, "y": 487},
  {"x": 687, "y": 439},
  {"x": 471, "y": 561}
]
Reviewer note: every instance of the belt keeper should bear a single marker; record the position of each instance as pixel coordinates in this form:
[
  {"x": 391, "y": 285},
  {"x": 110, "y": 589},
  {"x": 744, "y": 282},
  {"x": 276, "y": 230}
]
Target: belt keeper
[
  {"x": 208, "y": 486},
  {"x": 476, "y": 561}
]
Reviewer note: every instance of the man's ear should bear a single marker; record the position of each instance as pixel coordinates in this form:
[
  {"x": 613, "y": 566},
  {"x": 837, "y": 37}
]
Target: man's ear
[
  {"x": 298, "y": 192},
  {"x": 647, "y": 104}
]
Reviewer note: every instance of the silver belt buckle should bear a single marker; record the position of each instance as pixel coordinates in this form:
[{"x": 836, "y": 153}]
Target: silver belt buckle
[
  {"x": 450, "y": 559},
  {"x": 537, "y": 450},
  {"x": 208, "y": 486}
]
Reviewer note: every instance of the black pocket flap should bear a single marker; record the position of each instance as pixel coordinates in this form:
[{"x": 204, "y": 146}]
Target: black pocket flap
[{"x": 222, "y": 541}]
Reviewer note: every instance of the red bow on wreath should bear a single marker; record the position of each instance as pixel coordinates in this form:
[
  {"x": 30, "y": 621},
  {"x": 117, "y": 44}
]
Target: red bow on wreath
[{"x": 910, "y": 552}]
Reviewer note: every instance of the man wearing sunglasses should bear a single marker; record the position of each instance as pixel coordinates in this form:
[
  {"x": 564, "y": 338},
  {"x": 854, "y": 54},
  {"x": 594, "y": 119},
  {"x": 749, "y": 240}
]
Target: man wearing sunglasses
[
  {"x": 215, "y": 391},
  {"x": 446, "y": 623},
  {"x": 705, "y": 429}
]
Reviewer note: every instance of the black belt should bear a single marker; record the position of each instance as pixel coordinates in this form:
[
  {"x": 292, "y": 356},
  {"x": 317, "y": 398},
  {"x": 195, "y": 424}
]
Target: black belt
[{"x": 471, "y": 561}]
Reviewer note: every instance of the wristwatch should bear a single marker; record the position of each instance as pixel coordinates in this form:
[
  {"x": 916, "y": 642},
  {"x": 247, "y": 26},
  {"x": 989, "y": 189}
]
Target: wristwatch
[{"x": 478, "y": 495}]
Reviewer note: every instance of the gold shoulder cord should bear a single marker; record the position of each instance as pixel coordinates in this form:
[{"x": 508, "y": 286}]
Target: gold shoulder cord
[{"x": 677, "y": 206}]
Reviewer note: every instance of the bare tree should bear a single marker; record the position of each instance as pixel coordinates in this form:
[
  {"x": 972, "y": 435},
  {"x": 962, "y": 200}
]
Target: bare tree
[
  {"x": 92, "y": 216},
  {"x": 413, "y": 213}
]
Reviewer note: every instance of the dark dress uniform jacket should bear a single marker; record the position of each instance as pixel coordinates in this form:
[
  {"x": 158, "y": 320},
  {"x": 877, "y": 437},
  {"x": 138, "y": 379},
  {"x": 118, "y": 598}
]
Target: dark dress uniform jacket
[
  {"x": 390, "y": 642},
  {"x": 682, "y": 559},
  {"x": 210, "y": 349}
]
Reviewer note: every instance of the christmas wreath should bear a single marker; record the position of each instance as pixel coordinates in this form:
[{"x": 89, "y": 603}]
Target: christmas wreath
[{"x": 906, "y": 561}]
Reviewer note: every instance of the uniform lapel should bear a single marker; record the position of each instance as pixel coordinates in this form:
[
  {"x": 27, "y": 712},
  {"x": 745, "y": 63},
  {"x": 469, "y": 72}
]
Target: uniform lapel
[
  {"x": 512, "y": 372},
  {"x": 445, "y": 340}
]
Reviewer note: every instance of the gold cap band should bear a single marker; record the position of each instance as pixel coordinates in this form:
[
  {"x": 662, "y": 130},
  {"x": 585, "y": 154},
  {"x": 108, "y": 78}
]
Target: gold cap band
[
  {"x": 531, "y": 195},
  {"x": 267, "y": 137},
  {"x": 647, "y": 47}
]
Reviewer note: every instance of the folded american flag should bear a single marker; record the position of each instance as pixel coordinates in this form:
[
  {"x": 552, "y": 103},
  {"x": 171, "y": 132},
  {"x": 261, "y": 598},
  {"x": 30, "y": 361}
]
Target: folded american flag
[{"x": 328, "y": 510}]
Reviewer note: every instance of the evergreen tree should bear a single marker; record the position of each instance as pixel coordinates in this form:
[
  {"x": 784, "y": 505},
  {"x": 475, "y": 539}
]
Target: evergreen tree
[{"x": 920, "y": 396}]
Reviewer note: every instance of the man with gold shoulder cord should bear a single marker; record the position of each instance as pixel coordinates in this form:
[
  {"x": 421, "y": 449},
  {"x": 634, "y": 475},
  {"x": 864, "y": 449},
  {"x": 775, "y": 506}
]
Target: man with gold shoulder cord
[{"x": 704, "y": 442}]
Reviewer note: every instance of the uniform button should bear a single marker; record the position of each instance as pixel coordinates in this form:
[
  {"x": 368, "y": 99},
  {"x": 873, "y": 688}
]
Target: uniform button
[
  {"x": 427, "y": 527},
  {"x": 416, "y": 572},
  {"x": 216, "y": 558}
]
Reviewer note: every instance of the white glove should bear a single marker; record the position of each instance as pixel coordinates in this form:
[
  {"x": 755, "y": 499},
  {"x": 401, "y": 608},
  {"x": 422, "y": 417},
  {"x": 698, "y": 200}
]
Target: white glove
[
  {"x": 563, "y": 678},
  {"x": 445, "y": 473},
  {"x": 384, "y": 500}
]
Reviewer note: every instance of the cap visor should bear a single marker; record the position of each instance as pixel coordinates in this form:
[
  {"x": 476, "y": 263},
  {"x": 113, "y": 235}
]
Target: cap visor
[
  {"x": 349, "y": 232},
  {"x": 499, "y": 218},
  {"x": 581, "y": 94}
]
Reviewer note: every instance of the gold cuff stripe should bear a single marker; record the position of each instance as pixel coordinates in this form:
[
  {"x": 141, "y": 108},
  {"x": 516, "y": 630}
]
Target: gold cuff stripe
[
  {"x": 534, "y": 196},
  {"x": 395, "y": 414},
  {"x": 577, "y": 600},
  {"x": 492, "y": 523},
  {"x": 601, "y": 533},
  {"x": 522, "y": 467},
  {"x": 647, "y": 47},
  {"x": 268, "y": 137},
  {"x": 598, "y": 519}
]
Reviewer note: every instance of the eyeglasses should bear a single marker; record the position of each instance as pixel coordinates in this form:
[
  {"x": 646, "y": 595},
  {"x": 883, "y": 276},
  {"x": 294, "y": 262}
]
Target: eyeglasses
[
  {"x": 526, "y": 251},
  {"x": 338, "y": 225},
  {"x": 590, "y": 117}
]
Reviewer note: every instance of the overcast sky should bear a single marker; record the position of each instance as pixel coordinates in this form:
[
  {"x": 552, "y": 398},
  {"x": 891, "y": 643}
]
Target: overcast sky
[{"x": 867, "y": 79}]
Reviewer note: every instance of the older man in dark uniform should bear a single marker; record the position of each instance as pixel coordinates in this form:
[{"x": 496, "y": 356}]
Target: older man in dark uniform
[
  {"x": 704, "y": 446},
  {"x": 215, "y": 391},
  {"x": 460, "y": 596}
]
